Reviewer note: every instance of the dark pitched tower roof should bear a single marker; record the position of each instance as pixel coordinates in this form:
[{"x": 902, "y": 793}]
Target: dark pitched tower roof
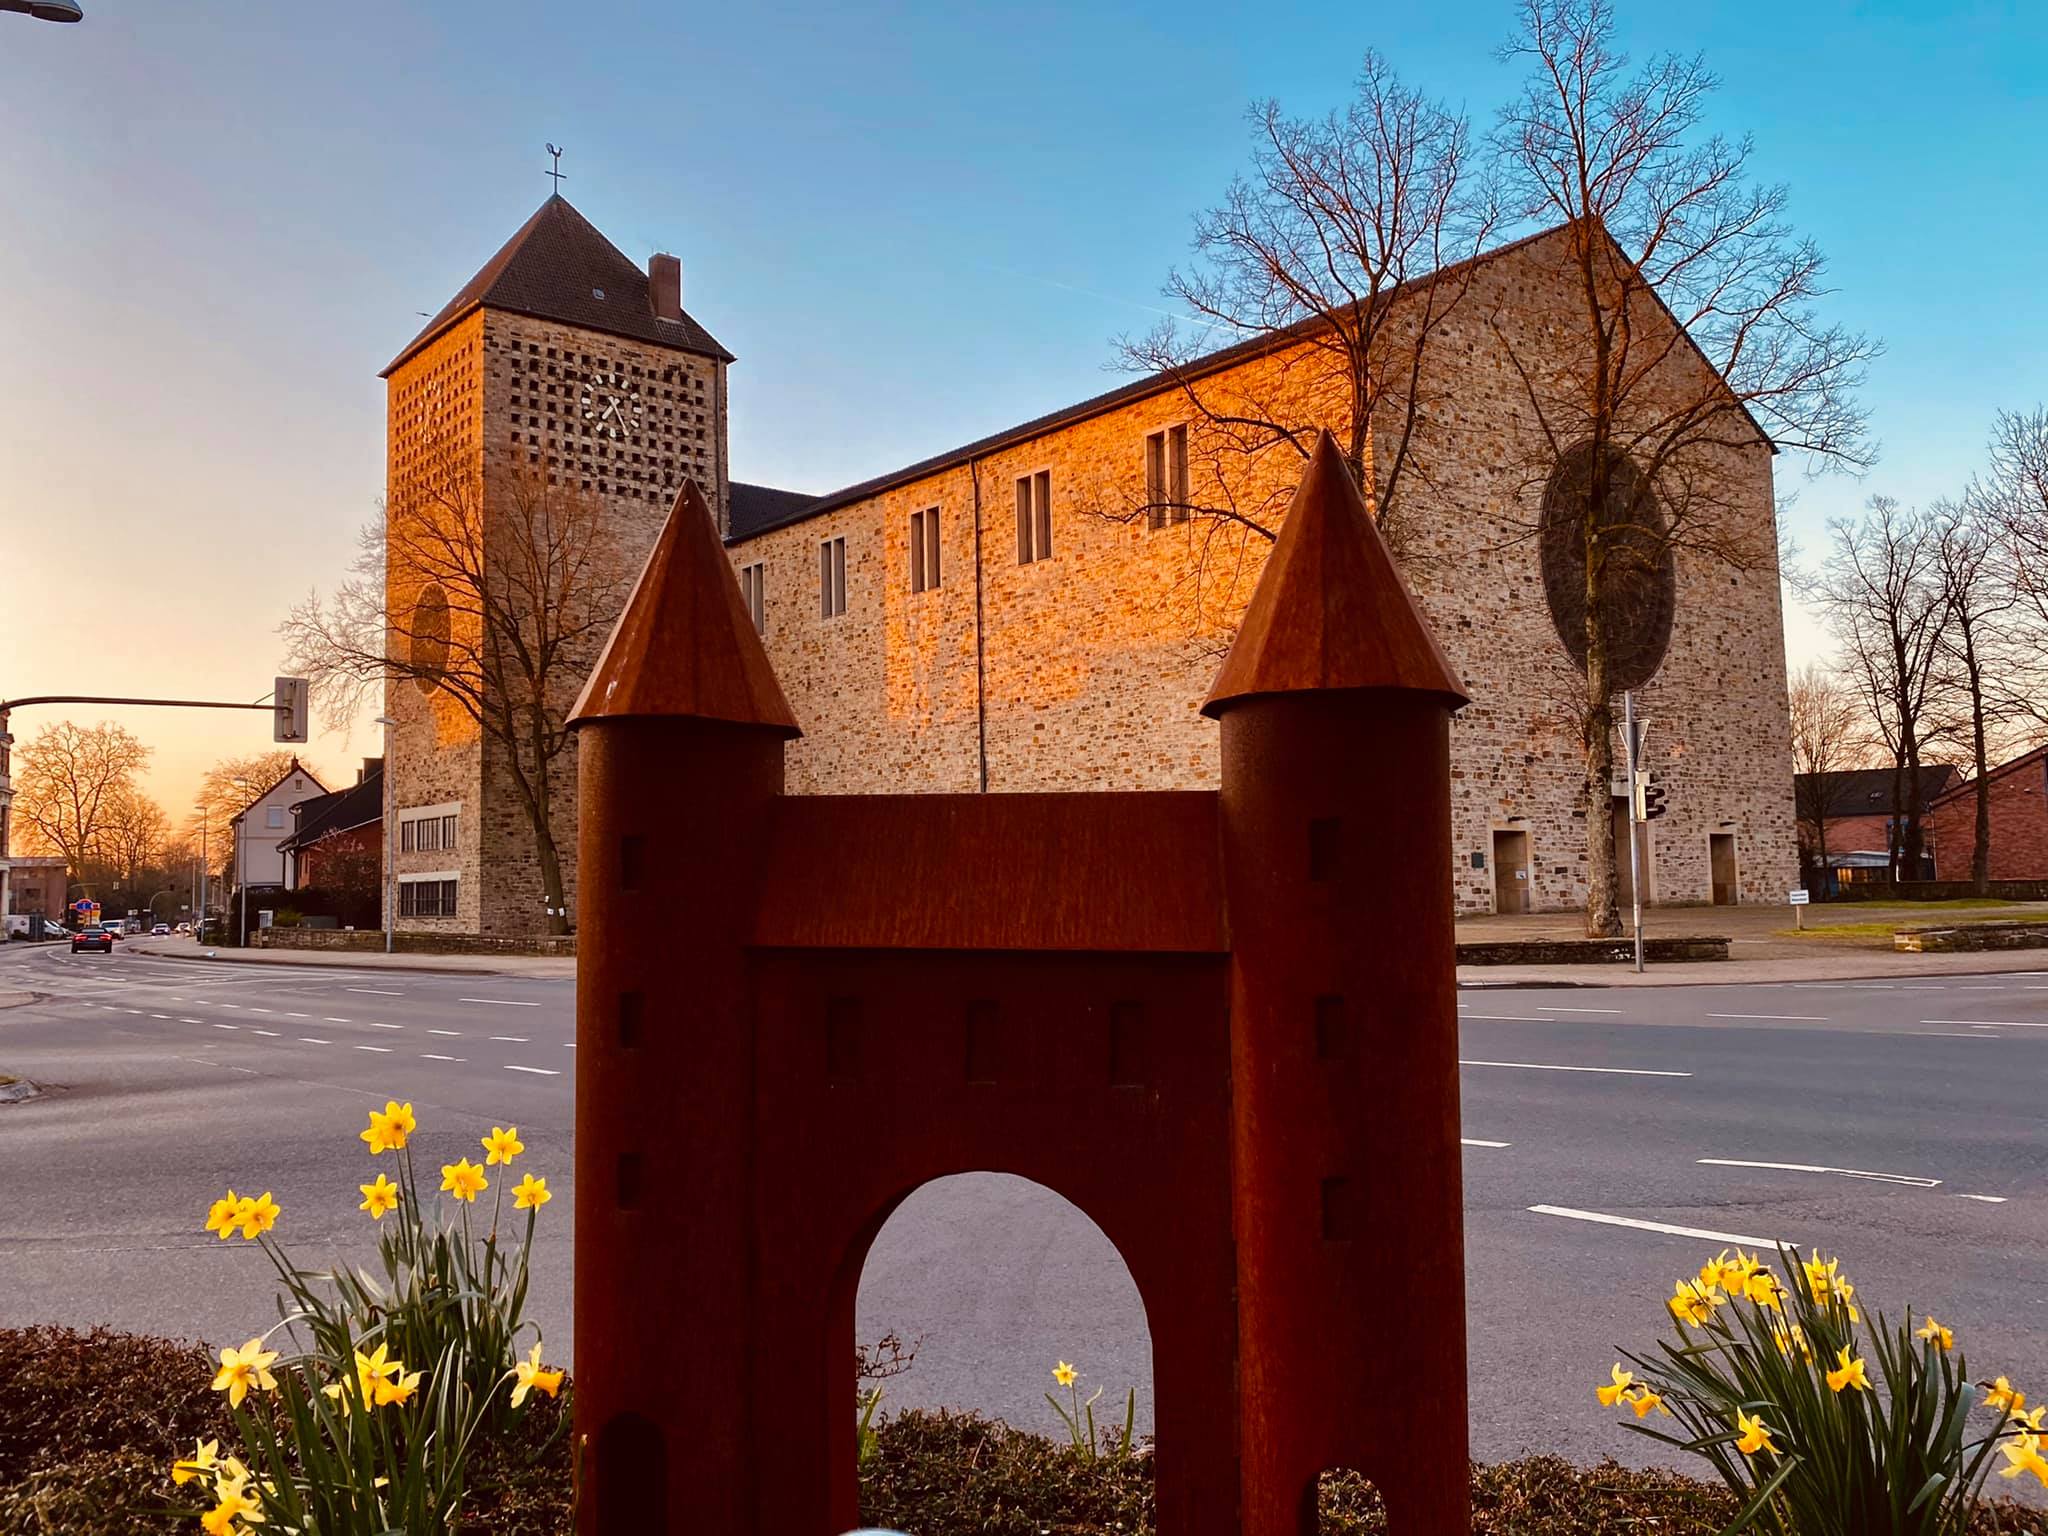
[
  {"x": 685, "y": 645},
  {"x": 553, "y": 269},
  {"x": 1331, "y": 611}
]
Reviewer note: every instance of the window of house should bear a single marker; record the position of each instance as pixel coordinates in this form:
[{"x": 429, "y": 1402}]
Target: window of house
[
  {"x": 273, "y": 817},
  {"x": 1166, "y": 477},
  {"x": 433, "y": 897},
  {"x": 754, "y": 589},
  {"x": 831, "y": 578},
  {"x": 1034, "y": 517},
  {"x": 448, "y": 831},
  {"x": 925, "y": 570}
]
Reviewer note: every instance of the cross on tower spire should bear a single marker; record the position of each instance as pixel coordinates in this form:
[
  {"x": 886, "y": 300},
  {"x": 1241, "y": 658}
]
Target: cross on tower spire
[{"x": 557, "y": 173}]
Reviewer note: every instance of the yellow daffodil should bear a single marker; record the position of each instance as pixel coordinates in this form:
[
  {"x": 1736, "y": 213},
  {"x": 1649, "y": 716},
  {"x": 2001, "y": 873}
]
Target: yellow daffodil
[
  {"x": 1710, "y": 1272},
  {"x": 1821, "y": 1276},
  {"x": 531, "y": 1378},
  {"x": 1849, "y": 1373},
  {"x": 231, "y": 1488},
  {"x": 1064, "y": 1373},
  {"x": 1729, "y": 1274},
  {"x": 463, "y": 1180},
  {"x": 1693, "y": 1303},
  {"x": 244, "y": 1368},
  {"x": 372, "y": 1371},
  {"x": 2003, "y": 1394},
  {"x": 1619, "y": 1381},
  {"x": 389, "y": 1127},
  {"x": 379, "y": 1198},
  {"x": 222, "y": 1216},
  {"x": 1754, "y": 1436},
  {"x": 198, "y": 1464},
  {"x": 1763, "y": 1289},
  {"x": 2024, "y": 1455},
  {"x": 1936, "y": 1335},
  {"x": 257, "y": 1216},
  {"x": 530, "y": 1194},
  {"x": 396, "y": 1388},
  {"x": 502, "y": 1145},
  {"x": 1645, "y": 1402}
]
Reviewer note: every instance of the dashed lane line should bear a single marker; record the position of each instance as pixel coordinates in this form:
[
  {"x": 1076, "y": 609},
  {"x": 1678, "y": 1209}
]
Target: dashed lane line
[
  {"x": 502, "y": 1002},
  {"x": 226, "y": 1026},
  {"x": 374, "y": 991},
  {"x": 271, "y": 1033},
  {"x": 1992, "y": 1023},
  {"x": 1796, "y": 1018},
  {"x": 1848, "y": 1173},
  {"x": 512, "y": 1066},
  {"x": 1544, "y": 1066},
  {"x": 382, "y": 1050},
  {"x": 310, "y": 1040},
  {"x": 1987, "y": 1199},
  {"x": 430, "y": 1056},
  {"x": 454, "y": 1032},
  {"x": 1474, "y": 1142},
  {"x": 331, "y": 1019},
  {"x": 510, "y": 1039},
  {"x": 1561, "y": 1008},
  {"x": 1667, "y": 1228},
  {"x": 375, "y": 1025},
  {"x": 1516, "y": 1018},
  {"x": 191, "y": 1021}
]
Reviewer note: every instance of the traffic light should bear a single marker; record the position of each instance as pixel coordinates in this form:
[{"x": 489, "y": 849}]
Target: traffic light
[
  {"x": 293, "y": 703},
  {"x": 1653, "y": 799}
]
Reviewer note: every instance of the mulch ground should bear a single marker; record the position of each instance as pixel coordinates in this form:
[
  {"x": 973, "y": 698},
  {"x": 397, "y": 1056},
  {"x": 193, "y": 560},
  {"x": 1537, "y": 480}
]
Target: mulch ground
[{"x": 90, "y": 1423}]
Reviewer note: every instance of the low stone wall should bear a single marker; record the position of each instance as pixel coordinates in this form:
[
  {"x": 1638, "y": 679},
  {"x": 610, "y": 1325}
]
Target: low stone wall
[
  {"x": 1971, "y": 937},
  {"x": 371, "y": 941},
  {"x": 1590, "y": 951},
  {"x": 1940, "y": 890}
]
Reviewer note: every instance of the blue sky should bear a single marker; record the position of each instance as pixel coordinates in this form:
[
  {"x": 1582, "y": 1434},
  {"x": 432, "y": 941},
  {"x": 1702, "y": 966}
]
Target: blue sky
[{"x": 912, "y": 223}]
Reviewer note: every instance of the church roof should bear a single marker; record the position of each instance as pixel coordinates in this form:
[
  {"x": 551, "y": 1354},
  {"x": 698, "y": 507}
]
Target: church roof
[
  {"x": 558, "y": 267},
  {"x": 685, "y": 645},
  {"x": 1330, "y": 610}
]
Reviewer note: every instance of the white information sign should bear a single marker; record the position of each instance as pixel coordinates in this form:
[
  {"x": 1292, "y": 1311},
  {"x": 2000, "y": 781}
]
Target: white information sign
[{"x": 1799, "y": 898}]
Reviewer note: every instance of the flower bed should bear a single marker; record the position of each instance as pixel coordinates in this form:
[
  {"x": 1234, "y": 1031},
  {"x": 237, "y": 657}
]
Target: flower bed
[{"x": 90, "y": 1424}]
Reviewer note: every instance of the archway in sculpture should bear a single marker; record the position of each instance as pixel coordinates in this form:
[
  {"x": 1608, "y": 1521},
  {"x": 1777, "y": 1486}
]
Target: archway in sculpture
[{"x": 999, "y": 1278}]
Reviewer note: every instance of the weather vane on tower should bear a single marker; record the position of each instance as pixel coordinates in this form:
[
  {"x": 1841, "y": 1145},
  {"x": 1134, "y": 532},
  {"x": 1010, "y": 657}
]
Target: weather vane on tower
[{"x": 557, "y": 172}]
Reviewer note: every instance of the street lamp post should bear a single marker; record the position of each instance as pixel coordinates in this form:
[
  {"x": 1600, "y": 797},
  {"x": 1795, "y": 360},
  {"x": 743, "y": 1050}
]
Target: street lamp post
[
  {"x": 205, "y": 811},
  {"x": 390, "y": 844},
  {"x": 242, "y": 871}
]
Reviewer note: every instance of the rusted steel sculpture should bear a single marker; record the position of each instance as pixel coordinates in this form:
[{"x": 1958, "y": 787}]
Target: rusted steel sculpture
[{"x": 1222, "y": 1024}]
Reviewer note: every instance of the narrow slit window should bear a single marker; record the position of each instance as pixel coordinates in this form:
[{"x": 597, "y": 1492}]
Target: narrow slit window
[
  {"x": 1034, "y": 517},
  {"x": 831, "y": 578},
  {"x": 754, "y": 590},
  {"x": 1166, "y": 477}
]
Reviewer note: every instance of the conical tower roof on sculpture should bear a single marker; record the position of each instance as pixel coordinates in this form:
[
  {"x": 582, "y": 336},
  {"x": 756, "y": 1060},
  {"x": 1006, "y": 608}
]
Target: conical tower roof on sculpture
[
  {"x": 685, "y": 646},
  {"x": 1331, "y": 611}
]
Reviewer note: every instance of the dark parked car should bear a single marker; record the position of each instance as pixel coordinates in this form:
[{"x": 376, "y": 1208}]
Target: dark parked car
[{"x": 93, "y": 937}]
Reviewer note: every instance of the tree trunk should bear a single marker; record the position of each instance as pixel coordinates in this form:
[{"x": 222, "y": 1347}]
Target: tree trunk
[
  {"x": 1603, "y": 913},
  {"x": 1980, "y": 854},
  {"x": 1820, "y": 839},
  {"x": 540, "y": 807}
]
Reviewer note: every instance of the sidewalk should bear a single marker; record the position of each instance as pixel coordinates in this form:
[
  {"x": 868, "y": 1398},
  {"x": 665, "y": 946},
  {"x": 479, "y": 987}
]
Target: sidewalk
[
  {"x": 1764, "y": 948},
  {"x": 544, "y": 967}
]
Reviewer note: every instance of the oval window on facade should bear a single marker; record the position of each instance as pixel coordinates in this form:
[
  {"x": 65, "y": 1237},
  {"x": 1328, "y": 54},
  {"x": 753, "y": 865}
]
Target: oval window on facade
[{"x": 1639, "y": 590}]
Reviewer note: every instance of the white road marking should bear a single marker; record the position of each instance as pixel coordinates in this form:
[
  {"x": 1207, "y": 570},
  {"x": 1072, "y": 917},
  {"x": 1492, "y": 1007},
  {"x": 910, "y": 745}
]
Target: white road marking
[
  {"x": 227, "y": 1026},
  {"x": 502, "y": 1002},
  {"x": 1540, "y": 1066},
  {"x": 191, "y": 1021},
  {"x": 1560, "y": 1008},
  {"x": 270, "y": 1032},
  {"x": 1471, "y": 1142},
  {"x": 375, "y": 1025},
  {"x": 230, "y": 1005},
  {"x": 1987, "y": 1199},
  {"x": 382, "y": 1050},
  {"x": 331, "y": 1019},
  {"x": 455, "y": 1032},
  {"x": 537, "y": 1071},
  {"x": 568, "y": 1045},
  {"x": 136, "y": 1011},
  {"x": 159, "y": 1015},
  {"x": 1517, "y": 1018},
  {"x": 1847, "y": 1173},
  {"x": 298, "y": 1015},
  {"x": 510, "y": 1039},
  {"x": 1797, "y": 1018},
  {"x": 1655, "y": 1226},
  {"x": 374, "y": 991},
  {"x": 1947, "y": 1034},
  {"x": 430, "y": 1056},
  {"x": 254, "y": 1009},
  {"x": 1992, "y": 1023},
  {"x": 309, "y": 1040}
]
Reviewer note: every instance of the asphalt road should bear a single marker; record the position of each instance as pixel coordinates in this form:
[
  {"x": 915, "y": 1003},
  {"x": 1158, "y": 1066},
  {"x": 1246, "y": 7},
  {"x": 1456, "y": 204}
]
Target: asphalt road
[{"x": 1899, "y": 1123}]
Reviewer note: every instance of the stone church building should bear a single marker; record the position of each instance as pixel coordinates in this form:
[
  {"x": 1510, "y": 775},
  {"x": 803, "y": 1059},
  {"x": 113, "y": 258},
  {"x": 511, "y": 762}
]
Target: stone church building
[{"x": 1041, "y": 610}]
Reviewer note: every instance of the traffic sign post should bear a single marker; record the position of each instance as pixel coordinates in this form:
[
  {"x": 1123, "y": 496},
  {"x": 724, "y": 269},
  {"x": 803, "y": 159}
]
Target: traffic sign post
[
  {"x": 1799, "y": 899},
  {"x": 1638, "y": 812}
]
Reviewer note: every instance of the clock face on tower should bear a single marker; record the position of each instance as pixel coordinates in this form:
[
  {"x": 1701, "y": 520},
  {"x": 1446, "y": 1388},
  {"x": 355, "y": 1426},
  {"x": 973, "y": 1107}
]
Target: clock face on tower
[{"x": 611, "y": 404}]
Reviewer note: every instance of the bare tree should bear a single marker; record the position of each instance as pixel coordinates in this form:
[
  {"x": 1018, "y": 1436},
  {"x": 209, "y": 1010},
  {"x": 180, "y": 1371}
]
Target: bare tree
[
  {"x": 1881, "y": 590},
  {"x": 1979, "y": 596},
  {"x": 1674, "y": 257},
  {"x": 2012, "y": 499},
  {"x": 1298, "y": 268},
  {"x": 71, "y": 783},
  {"x": 500, "y": 610},
  {"x": 1827, "y": 737}
]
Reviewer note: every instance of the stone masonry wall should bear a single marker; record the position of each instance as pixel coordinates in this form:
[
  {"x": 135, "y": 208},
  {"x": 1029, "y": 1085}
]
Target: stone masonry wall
[{"x": 1094, "y": 662}]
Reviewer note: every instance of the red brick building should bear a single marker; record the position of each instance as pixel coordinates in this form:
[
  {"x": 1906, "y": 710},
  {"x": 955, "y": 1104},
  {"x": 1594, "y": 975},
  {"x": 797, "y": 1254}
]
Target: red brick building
[
  {"x": 1848, "y": 816},
  {"x": 338, "y": 843},
  {"x": 2019, "y": 822}
]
